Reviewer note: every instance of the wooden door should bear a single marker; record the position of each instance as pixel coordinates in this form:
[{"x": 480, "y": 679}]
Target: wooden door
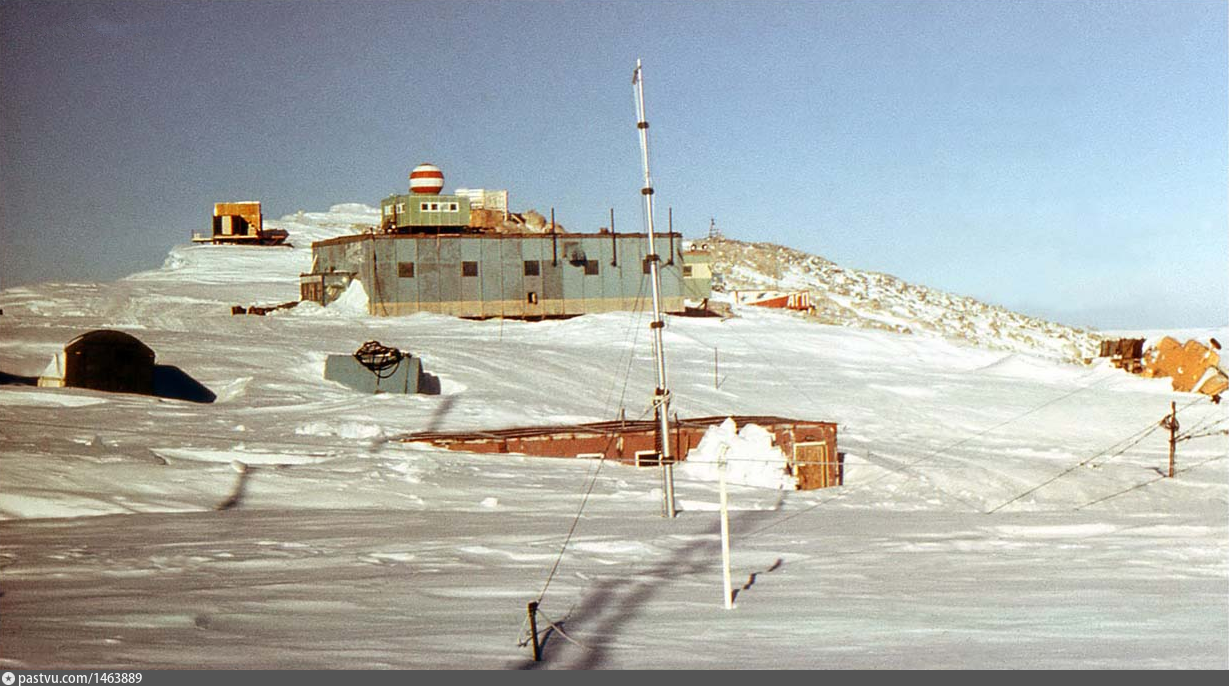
[{"x": 811, "y": 466}]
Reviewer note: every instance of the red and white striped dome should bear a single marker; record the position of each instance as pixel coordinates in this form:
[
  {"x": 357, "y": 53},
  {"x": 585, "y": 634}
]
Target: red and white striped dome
[{"x": 426, "y": 179}]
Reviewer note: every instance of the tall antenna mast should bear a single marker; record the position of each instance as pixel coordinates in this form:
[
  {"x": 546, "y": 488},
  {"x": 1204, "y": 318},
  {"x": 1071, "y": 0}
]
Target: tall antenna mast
[{"x": 661, "y": 395}]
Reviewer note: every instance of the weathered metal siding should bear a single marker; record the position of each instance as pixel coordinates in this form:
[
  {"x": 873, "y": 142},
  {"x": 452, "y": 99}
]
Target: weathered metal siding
[
  {"x": 491, "y": 279},
  {"x": 517, "y": 286},
  {"x": 428, "y": 275},
  {"x": 406, "y": 252},
  {"x": 448, "y": 255},
  {"x": 572, "y": 275},
  {"x": 500, "y": 288},
  {"x": 551, "y": 258},
  {"x": 381, "y": 281},
  {"x": 469, "y": 288}
]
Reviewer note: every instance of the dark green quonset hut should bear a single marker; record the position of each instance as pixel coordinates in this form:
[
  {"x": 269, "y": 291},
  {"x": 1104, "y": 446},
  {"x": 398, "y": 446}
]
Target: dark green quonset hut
[{"x": 108, "y": 360}]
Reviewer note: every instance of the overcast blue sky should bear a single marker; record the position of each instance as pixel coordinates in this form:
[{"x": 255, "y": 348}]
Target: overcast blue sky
[{"x": 1067, "y": 159}]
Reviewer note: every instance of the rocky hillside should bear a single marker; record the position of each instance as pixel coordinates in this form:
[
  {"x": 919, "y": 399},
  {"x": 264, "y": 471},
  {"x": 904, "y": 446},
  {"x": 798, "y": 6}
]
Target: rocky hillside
[{"x": 854, "y": 298}]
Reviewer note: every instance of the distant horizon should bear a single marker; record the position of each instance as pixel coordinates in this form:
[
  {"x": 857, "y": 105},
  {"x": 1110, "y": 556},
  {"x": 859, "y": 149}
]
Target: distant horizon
[
  {"x": 1066, "y": 160},
  {"x": 1125, "y": 330}
]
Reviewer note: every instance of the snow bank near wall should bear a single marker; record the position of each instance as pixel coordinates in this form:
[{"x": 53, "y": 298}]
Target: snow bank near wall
[
  {"x": 353, "y": 301},
  {"x": 751, "y": 459}
]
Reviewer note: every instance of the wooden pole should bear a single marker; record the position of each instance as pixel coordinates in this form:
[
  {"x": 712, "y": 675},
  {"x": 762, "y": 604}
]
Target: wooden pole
[
  {"x": 1173, "y": 435},
  {"x": 533, "y": 630},
  {"x": 614, "y": 243},
  {"x": 670, "y": 232}
]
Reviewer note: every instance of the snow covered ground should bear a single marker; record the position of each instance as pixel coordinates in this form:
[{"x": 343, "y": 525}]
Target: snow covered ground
[{"x": 1000, "y": 509}]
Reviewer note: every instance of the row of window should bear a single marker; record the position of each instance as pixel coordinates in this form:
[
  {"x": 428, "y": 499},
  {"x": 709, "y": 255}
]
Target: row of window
[
  {"x": 405, "y": 270},
  {"x": 399, "y": 208}
]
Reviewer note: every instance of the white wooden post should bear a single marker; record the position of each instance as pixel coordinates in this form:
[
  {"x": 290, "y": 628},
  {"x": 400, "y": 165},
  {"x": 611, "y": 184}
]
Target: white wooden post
[{"x": 725, "y": 529}]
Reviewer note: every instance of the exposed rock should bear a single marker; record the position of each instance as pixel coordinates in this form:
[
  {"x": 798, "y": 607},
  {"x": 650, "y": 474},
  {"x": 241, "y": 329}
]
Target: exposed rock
[
  {"x": 854, "y": 298},
  {"x": 536, "y": 223}
]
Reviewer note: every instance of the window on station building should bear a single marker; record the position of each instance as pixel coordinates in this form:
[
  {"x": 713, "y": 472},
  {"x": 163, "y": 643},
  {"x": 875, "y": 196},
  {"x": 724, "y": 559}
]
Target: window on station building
[
  {"x": 533, "y": 268},
  {"x": 469, "y": 269},
  {"x": 405, "y": 270},
  {"x": 686, "y": 271},
  {"x": 531, "y": 298},
  {"x": 591, "y": 268}
]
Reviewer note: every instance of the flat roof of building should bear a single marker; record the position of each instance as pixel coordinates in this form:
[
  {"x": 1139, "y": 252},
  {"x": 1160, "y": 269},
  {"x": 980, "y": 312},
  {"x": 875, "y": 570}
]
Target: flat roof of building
[
  {"x": 604, "y": 428},
  {"x": 487, "y": 235}
]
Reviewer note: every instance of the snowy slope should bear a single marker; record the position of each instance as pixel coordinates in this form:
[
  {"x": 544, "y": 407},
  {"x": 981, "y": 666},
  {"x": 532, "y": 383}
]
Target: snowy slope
[
  {"x": 1001, "y": 508},
  {"x": 855, "y": 298}
]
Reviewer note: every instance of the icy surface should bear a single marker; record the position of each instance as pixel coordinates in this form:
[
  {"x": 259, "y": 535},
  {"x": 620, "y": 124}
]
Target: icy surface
[{"x": 1002, "y": 508}]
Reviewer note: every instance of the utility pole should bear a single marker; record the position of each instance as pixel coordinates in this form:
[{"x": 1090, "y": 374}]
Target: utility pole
[{"x": 661, "y": 395}]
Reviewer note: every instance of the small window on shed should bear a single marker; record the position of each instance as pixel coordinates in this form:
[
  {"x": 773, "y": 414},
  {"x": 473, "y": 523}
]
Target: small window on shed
[
  {"x": 452, "y": 207},
  {"x": 533, "y": 268},
  {"x": 405, "y": 270},
  {"x": 591, "y": 267},
  {"x": 401, "y": 207},
  {"x": 422, "y": 206},
  {"x": 686, "y": 271},
  {"x": 648, "y": 458},
  {"x": 531, "y": 298},
  {"x": 435, "y": 207},
  {"x": 469, "y": 269}
]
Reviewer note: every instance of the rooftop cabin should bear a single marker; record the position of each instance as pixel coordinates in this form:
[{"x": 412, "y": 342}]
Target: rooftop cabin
[{"x": 415, "y": 213}]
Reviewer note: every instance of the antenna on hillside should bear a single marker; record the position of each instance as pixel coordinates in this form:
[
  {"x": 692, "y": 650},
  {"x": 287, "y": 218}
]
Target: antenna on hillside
[
  {"x": 714, "y": 233},
  {"x": 661, "y": 395}
]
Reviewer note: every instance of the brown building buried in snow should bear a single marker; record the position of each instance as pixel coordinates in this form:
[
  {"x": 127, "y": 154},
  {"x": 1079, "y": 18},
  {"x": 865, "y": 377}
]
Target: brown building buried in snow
[{"x": 809, "y": 446}]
